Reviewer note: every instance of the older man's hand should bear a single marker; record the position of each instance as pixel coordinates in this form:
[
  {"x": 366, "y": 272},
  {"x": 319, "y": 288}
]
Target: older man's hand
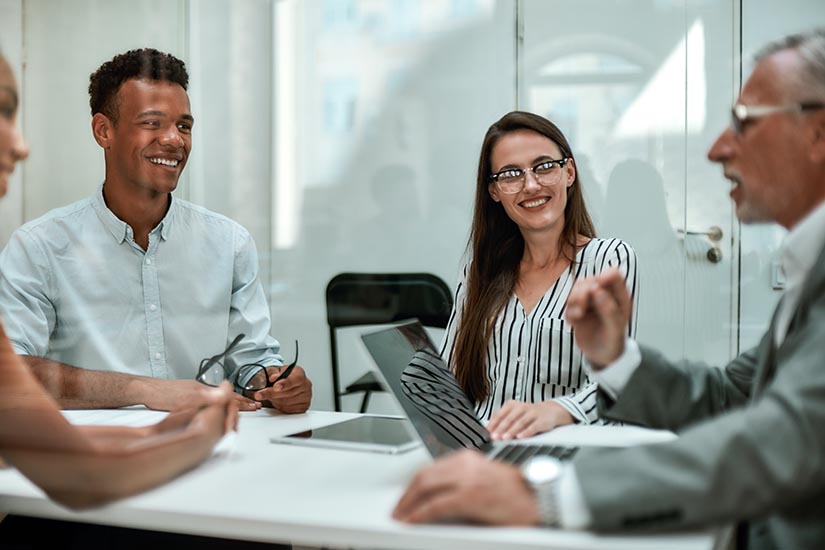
[
  {"x": 598, "y": 309},
  {"x": 466, "y": 486}
]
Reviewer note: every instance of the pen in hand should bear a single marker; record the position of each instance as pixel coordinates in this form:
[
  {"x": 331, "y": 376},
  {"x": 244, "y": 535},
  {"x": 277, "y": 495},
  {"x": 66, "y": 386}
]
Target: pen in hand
[{"x": 287, "y": 371}]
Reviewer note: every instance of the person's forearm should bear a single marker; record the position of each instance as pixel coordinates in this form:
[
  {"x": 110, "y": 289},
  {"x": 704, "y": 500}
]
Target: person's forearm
[
  {"x": 76, "y": 388},
  {"x": 115, "y": 435},
  {"x": 123, "y": 435},
  {"x": 114, "y": 470},
  {"x": 673, "y": 395}
]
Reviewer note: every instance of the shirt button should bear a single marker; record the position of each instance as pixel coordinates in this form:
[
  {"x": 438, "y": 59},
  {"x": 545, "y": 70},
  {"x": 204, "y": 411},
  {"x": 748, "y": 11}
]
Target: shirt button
[
  {"x": 520, "y": 359},
  {"x": 158, "y": 355},
  {"x": 153, "y": 307},
  {"x": 148, "y": 261}
]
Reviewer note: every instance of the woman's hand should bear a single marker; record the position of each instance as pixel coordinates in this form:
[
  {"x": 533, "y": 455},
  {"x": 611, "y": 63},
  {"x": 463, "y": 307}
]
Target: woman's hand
[
  {"x": 218, "y": 412},
  {"x": 519, "y": 420},
  {"x": 221, "y": 410}
]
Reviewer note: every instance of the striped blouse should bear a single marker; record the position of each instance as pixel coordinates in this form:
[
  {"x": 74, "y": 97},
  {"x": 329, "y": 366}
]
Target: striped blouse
[{"x": 534, "y": 357}]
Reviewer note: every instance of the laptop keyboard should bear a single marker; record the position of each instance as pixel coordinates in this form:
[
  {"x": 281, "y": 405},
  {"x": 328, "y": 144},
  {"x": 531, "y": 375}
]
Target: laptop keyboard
[{"x": 519, "y": 454}]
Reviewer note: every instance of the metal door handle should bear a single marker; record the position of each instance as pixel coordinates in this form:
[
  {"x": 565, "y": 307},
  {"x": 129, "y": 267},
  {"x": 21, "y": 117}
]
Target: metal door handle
[{"x": 714, "y": 233}]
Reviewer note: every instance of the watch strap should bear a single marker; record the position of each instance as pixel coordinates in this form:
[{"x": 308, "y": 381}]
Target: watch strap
[{"x": 547, "y": 500}]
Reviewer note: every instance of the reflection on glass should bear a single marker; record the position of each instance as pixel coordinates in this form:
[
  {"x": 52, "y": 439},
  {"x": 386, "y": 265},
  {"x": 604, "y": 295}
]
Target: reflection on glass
[{"x": 434, "y": 391}]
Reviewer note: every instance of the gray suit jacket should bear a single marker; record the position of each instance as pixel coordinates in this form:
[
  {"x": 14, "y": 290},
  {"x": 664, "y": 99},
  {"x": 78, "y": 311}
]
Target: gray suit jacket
[{"x": 751, "y": 445}]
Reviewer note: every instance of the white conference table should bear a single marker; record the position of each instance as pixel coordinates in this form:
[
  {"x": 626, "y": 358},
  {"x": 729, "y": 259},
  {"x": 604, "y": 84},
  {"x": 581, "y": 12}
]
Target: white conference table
[{"x": 262, "y": 491}]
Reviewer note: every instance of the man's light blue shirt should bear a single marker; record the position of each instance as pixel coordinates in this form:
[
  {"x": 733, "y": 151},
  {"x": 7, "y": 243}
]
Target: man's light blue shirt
[{"x": 76, "y": 288}]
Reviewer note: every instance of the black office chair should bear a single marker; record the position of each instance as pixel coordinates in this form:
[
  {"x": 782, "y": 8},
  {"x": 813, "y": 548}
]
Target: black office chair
[{"x": 380, "y": 298}]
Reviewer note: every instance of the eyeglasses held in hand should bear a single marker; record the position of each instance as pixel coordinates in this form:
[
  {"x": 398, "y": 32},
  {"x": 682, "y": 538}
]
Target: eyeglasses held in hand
[
  {"x": 256, "y": 375},
  {"x": 742, "y": 114},
  {"x": 212, "y": 370},
  {"x": 547, "y": 173}
]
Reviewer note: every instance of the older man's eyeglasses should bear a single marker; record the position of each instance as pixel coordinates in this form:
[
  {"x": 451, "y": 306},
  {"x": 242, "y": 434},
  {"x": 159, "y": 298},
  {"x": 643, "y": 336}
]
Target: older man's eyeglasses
[
  {"x": 213, "y": 370},
  {"x": 547, "y": 173},
  {"x": 742, "y": 114}
]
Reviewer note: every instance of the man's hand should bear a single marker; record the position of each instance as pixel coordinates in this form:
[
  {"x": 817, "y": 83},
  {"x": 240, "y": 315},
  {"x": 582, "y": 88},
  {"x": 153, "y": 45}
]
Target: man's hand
[
  {"x": 468, "y": 486},
  {"x": 598, "y": 309},
  {"x": 291, "y": 395},
  {"x": 519, "y": 420},
  {"x": 166, "y": 395}
]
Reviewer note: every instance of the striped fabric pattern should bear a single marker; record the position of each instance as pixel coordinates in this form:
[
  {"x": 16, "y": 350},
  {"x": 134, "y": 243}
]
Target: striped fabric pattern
[
  {"x": 435, "y": 392},
  {"x": 534, "y": 357}
]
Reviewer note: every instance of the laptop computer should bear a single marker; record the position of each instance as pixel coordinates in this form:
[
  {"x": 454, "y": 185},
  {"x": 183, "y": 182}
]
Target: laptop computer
[{"x": 438, "y": 409}]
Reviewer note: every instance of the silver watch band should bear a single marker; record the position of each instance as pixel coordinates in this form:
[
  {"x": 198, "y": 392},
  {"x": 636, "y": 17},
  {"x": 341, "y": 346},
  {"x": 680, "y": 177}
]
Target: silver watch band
[{"x": 548, "y": 504}]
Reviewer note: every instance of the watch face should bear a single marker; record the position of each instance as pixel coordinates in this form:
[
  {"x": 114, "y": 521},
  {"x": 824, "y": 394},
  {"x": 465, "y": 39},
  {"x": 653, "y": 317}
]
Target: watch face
[{"x": 541, "y": 469}]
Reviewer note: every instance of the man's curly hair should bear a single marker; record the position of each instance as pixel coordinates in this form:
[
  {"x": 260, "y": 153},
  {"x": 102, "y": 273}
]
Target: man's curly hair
[{"x": 147, "y": 63}]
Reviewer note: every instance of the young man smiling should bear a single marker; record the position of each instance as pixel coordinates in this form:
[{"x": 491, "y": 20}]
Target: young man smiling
[{"x": 131, "y": 281}]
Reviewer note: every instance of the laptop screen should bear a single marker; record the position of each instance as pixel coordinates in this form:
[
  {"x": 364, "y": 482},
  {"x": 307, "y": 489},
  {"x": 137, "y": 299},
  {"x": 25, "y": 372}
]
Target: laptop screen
[{"x": 436, "y": 405}]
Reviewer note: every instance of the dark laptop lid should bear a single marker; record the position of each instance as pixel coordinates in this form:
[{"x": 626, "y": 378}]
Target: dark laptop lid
[{"x": 437, "y": 407}]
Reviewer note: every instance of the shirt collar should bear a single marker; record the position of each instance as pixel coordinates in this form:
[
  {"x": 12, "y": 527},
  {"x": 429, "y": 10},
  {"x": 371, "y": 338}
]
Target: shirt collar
[
  {"x": 119, "y": 229},
  {"x": 802, "y": 246},
  {"x": 165, "y": 225}
]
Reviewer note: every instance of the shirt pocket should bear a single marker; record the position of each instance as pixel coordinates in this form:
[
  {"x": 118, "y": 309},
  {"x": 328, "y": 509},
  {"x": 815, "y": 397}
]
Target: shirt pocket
[{"x": 559, "y": 358}]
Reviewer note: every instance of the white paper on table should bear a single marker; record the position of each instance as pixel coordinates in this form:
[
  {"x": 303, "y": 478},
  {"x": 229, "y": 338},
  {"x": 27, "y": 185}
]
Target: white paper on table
[
  {"x": 138, "y": 417},
  {"x": 134, "y": 417}
]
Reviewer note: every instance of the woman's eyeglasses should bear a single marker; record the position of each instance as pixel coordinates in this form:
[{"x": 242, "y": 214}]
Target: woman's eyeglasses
[
  {"x": 512, "y": 180},
  {"x": 212, "y": 370}
]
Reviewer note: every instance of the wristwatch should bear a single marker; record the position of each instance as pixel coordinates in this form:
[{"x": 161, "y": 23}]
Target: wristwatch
[{"x": 542, "y": 474}]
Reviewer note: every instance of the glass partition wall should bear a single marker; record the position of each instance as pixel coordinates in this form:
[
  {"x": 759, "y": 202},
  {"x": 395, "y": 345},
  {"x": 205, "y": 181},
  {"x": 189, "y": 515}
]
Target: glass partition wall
[{"x": 344, "y": 134}]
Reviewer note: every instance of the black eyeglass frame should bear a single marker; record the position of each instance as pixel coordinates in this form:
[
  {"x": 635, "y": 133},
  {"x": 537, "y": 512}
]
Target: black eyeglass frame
[
  {"x": 245, "y": 369},
  {"x": 207, "y": 363}
]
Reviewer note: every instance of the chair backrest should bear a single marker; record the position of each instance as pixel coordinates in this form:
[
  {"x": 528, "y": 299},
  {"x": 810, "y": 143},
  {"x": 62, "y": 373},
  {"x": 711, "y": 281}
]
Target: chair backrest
[{"x": 378, "y": 298}]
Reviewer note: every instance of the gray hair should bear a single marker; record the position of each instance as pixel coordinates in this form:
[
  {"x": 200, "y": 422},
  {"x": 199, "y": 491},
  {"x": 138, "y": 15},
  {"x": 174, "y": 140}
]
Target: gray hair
[{"x": 810, "y": 46}]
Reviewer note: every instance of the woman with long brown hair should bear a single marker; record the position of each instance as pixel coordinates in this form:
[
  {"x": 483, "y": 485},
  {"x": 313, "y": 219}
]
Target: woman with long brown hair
[{"x": 531, "y": 238}]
